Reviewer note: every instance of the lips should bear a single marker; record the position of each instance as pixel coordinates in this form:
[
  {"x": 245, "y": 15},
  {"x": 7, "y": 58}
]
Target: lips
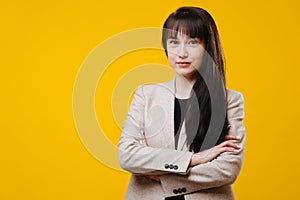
[{"x": 183, "y": 64}]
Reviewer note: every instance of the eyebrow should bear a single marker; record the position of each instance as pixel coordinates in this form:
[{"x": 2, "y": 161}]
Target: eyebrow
[{"x": 172, "y": 37}]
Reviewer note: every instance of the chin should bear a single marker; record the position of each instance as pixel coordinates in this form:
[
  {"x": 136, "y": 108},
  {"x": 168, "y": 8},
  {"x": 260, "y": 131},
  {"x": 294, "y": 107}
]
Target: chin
[{"x": 185, "y": 72}]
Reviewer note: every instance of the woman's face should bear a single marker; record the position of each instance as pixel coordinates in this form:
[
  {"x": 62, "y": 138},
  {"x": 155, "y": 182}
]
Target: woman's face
[{"x": 185, "y": 54}]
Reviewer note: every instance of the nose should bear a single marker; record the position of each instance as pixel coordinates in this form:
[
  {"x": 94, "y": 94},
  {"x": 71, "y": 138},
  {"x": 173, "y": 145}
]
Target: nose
[{"x": 182, "y": 53}]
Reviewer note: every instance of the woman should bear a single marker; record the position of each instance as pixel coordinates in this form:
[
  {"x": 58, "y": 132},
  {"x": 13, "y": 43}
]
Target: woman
[{"x": 184, "y": 139}]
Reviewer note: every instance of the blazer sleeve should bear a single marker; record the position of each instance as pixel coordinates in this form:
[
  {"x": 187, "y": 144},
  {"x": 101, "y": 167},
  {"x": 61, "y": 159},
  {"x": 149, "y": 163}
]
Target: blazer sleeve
[
  {"x": 220, "y": 171},
  {"x": 139, "y": 159}
]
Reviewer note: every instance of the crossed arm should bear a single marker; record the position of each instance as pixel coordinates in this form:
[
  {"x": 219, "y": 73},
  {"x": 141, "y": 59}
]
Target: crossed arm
[{"x": 214, "y": 167}]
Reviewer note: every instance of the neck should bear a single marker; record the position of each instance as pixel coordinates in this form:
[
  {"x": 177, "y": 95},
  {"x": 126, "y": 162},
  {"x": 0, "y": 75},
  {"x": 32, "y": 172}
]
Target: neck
[{"x": 183, "y": 86}]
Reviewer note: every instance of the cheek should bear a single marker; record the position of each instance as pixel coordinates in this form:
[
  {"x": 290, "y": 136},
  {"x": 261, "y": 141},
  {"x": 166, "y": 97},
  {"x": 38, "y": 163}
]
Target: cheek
[
  {"x": 198, "y": 55},
  {"x": 197, "y": 59},
  {"x": 171, "y": 57}
]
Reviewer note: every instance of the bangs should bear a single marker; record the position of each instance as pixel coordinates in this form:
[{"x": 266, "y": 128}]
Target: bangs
[{"x": 184, "y": 23}]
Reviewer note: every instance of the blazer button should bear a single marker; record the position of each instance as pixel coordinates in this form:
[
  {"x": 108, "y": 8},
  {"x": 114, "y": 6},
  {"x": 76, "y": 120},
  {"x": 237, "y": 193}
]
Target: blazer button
[
  {"x": 179, "y": 190},
  {"x": 171, "y": 166},
  {"x": 183, "y": 189},
  {"x": 175, "y": 191},
  {"x": 167, "y": 166},
  {"x": 175, "y": 167}
]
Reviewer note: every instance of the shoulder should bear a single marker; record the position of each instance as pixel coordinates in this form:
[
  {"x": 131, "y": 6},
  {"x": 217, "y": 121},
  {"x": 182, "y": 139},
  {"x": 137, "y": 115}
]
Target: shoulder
[
  {"x": 234, "y": 97},
  {"x": 163, "y": 88},
  {"x": 235, "y": 104}
]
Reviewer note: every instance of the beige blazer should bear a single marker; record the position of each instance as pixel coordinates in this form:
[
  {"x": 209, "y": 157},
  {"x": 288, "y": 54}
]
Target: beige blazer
[{"x": 151, "y": 115}]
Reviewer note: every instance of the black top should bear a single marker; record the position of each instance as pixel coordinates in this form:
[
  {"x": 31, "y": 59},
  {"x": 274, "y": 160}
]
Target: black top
[{"x": 179, "y": 113}]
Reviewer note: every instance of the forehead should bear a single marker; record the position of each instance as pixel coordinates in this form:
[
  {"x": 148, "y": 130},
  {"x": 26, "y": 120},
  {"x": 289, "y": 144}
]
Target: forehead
[{"x": 178, "y": 35}]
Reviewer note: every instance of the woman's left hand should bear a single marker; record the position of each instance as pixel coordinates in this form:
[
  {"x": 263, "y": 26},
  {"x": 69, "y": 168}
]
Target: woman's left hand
[{"x": 153, "y": 177}]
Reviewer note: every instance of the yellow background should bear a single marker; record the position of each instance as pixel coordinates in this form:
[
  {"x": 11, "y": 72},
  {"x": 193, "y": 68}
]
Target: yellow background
[{"x": 43, "y": 44}]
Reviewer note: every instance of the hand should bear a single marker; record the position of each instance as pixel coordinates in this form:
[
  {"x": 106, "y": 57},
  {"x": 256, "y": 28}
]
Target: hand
[
  {"x": 210, "y": 154},
  {"x": 153, "y": 177},
  {"x": 144, "y": 141}
]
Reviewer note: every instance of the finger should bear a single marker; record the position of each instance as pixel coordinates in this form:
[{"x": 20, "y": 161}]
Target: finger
[
  {"x": 227, "y": 143},
  {"x": 223, "y": 144},
  {"x": 226, "y": 149},
  {"x": 144, "y": 141},
  {"x": 230, "y": 144},
  {"x": 231, "y": 137},
  {"x": 153, "y": 177},
  {"x": 150, "y": 176}
]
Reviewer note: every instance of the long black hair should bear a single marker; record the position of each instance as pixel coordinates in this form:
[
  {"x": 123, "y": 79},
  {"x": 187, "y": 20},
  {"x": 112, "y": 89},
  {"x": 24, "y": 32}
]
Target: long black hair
[{"x": 198, "y": 23}]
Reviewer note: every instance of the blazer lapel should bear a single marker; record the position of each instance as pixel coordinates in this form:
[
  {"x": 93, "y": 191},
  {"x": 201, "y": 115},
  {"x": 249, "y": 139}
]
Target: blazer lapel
[
  {"x": 169, "y": 106},
  {"x": 170, "y": 101},
  {"x": 182, "y": 142}
]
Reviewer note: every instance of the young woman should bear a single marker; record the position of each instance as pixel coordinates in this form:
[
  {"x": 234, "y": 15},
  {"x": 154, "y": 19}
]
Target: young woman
[{"x": 184, "y": 139}]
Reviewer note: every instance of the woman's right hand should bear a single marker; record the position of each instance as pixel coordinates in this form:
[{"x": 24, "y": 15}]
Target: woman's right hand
[{"x": 210, "y": 154}]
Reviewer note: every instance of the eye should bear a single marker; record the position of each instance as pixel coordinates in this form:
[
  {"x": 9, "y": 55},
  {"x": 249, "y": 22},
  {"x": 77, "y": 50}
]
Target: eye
[
  {"x": 193, "y": 42},
  {"x": 173, "y": 42}
]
